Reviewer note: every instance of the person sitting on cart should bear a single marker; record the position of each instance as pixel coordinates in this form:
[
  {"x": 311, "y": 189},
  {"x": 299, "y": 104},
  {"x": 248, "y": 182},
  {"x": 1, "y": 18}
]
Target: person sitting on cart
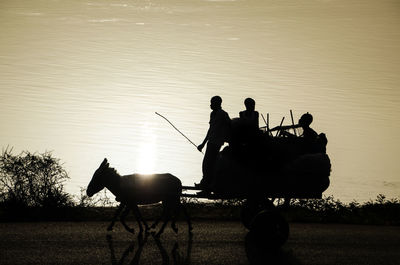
[
  {"x": 217, "y": 134},
  {"x": 308, "y": 133},
  {"x": 245, "y": 131},
  {"x": 315, "y": 142},
  {"x": 304, "y": 122},
  {"x": 250, "y": 116}
]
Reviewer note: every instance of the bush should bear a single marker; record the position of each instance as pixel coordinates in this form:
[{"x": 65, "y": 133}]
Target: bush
[
  {"x": 100, "y": 199},
  {"x": 32, "y": 180},
  {"x": 381, "y": 211}
]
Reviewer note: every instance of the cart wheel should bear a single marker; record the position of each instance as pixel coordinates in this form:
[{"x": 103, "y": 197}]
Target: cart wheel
[
  {"x": 251, "y": 208},
  {"x": 270, "y": 228}
]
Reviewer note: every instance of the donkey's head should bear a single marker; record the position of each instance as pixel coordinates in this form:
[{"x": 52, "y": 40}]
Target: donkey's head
[{"x": 98, "y": 180}]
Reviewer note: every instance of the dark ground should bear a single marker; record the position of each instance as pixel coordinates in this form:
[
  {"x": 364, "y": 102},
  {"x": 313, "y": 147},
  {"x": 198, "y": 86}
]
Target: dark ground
[{"x": 212, "y": 243}]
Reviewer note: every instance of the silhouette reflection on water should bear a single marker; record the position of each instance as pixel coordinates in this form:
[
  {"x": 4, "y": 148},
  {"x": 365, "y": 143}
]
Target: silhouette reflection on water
[
  {"x": 141, "y": 242},
  {"x": 177, "y": 257},
  {"x": 260, "y": 253},
  {"x": 183, "y": 259}
]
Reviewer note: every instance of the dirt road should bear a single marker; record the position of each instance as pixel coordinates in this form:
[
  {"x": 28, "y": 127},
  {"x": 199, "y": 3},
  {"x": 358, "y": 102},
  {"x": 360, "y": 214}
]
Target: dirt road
[{"x": 212, "y": 243}]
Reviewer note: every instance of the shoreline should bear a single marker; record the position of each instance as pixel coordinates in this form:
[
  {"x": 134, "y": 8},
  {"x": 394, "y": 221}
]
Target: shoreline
[{"x": 328, "y": 211}]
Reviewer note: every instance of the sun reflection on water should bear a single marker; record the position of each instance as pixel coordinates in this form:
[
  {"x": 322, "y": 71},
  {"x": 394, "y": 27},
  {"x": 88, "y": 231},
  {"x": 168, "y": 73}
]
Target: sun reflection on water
[{"x": 146, "y": 161}]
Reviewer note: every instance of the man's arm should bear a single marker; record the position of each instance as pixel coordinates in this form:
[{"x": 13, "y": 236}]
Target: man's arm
[{"x": 201, "y": 146}]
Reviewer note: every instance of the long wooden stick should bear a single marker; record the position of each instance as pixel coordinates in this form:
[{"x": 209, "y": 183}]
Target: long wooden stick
[
  {"x": 268, "y": 130},
  {"x": 266, "y": 123},
  {"x": 176, "y": 129},
  {"x": 294, "y": 129},
  {"x": 264, "y": 119},
  {"x": 280, "y": 127}
]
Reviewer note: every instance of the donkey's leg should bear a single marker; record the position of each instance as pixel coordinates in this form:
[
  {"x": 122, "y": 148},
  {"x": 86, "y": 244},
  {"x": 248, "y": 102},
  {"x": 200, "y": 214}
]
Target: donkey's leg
[
  {"x": 178, "y": 207},
  {"x": 123, "y": 216},
  {"x": 117, "y": 213},
  {"x": 162, "y": 227},
  {"x": 139, "y": 218},
  {"x": 187, "y": 217},
  {"x": 146, "y": 226},
  {"x": 176, "y": 210}
]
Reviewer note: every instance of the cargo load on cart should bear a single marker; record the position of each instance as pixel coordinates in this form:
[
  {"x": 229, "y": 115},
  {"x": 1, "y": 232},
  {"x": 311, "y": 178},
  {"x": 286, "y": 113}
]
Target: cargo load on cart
[{"x": 272, "y": 162}]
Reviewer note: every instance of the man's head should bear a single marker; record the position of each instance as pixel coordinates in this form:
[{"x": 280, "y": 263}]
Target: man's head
[
  {"x": 250, "y": 104},
  {"x": 216, "y": 102},
  {"x": 305, "y": 120}
]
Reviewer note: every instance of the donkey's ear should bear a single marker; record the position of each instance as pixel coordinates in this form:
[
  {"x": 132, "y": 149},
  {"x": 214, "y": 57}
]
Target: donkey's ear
[{"x": 104, "y": 162}]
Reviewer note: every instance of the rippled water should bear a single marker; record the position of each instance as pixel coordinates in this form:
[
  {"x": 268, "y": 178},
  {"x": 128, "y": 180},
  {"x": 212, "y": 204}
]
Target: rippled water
[{"x": 85, "y": 78}]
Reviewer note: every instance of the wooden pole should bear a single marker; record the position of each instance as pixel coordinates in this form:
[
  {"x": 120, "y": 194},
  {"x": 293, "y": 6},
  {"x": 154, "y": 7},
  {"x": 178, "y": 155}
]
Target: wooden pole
[
  {"x": 266, "y": 123},
  {"x": 294, "y": 129},
  {"x": 177, "y": 129},
  {"x": 280, "y": 125},
  {"x": 269, "y": 133}
]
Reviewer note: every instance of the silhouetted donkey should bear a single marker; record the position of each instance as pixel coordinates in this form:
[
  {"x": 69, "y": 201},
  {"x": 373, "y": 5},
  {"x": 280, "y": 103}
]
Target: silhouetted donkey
[{"x": 137, "y": 189}]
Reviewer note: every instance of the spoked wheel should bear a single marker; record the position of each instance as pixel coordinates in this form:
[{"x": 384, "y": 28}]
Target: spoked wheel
[
  {"x": 251, "y": 208},
  {"x": 269, "y": 227}
]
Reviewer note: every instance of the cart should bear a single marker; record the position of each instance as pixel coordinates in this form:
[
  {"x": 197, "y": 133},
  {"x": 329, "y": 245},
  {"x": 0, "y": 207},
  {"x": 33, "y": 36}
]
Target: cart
[{"x": 259, "y": 168}]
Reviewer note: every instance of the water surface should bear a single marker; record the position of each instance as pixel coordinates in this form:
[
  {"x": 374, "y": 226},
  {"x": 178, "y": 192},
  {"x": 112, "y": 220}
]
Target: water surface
[{"x": 85, "y": 78}]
